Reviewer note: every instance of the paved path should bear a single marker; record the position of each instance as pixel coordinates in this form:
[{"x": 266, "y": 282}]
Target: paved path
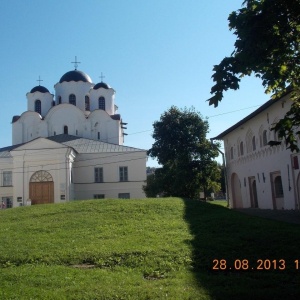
[{"x": 290, "y": 216}]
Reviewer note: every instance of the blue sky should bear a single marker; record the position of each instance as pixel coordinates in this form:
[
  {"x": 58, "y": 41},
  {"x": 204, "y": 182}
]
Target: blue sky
[{"x": 154, "y": 53}]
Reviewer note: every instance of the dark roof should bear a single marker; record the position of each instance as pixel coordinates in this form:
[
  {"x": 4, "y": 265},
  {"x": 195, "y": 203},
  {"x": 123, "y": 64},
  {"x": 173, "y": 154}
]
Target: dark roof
[
  {"x": 39, "y": 88},
  {"x": 61, "y": 138},
  {"x": 75, "y": 75},
  {"x": 116, "y": 117},
  {"x": 101, "y": 85},
  {"x": 15, "y": 118},
  {"x": 249, "y": 117}
]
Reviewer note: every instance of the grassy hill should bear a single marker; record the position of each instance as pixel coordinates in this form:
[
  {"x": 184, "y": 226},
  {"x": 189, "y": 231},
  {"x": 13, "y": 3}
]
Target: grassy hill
[{"x": 145, "y": 249}]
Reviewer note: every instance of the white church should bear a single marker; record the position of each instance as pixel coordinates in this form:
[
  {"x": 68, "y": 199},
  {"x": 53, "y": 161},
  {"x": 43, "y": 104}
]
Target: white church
[{"x": 69, "y": 146}]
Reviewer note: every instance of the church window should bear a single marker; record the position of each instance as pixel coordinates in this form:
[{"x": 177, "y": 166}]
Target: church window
[
  {"x": 98, "y": 135},
  {"x": 7, "y": 178},
  {"x": 102, "y": 103},
  {"x": 231, "y": 153},
  {"x": 72, "y": 99},
  {"x": 253, "y": 143},
  {"x": 264, "y": 138},
  {"x": 87, "y": 103},
  {"x": 98, "y": 174},
  {"x": 278, "y": 187},
  {"x": 123, "y": 172},
  {"x": 59, "y": 100},
  {"x": 38, "y": 106},
  {"x": 66, "y": 130},
  {"x": 241, "y": 148}
]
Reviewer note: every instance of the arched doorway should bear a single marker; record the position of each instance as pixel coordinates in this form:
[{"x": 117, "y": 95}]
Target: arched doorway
[
  {"x": 41, "y": 188},
  {"x": 236, "y": 191},
  {"x": 253, "y": 192}
]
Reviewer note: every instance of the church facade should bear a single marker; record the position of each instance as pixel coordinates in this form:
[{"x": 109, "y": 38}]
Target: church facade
[{"x": 69, "y": 146}]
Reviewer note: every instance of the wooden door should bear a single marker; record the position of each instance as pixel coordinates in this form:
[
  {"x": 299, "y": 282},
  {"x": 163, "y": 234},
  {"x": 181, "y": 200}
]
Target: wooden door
[{"x": 41, "y": 192}]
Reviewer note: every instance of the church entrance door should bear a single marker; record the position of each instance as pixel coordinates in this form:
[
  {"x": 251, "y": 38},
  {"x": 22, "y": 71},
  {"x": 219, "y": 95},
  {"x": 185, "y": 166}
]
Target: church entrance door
[{"x": 41, "y": 188}]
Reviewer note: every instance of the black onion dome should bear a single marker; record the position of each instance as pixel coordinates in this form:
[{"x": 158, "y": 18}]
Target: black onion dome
[
  {"x": 75, "y": 75},
  {"x": 39, "y": 88},
  {"x": 101, "y": 85}
]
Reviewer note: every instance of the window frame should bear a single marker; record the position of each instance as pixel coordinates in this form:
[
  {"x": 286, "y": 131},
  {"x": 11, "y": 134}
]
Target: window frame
[
  {"x": 101, "y": 103},
  {"x": 72, "y": 99},
  {"x": 98, "y": 175},
  {"x": 38, "y": 106},
  {"x": 7, "y": 178},
  {"x": 123, "y": 174}
]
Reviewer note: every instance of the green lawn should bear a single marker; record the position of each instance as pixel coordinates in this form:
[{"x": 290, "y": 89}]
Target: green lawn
[{"x": 145, "y": 249}]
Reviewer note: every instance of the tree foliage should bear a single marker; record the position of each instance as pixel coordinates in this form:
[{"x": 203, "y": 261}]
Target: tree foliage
[
  {"x": 267, "y": 45},
  {"x": 185, "y": 154}
]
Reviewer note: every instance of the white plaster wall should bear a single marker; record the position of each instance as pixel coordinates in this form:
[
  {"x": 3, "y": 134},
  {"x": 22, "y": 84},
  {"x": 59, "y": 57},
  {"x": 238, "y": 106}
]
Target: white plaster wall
[
  {"x": 100, "y": 121},
  {"x": 43, "y": 155},
  {"x": 84, "y": 184},
  {"x": 45, "y": 98},
  {"x": 108, "y": 94},
  {"x": 261, "y": 162},
  {"x": 79, "y": 89},
  {"x": 65, "y": 115},
  {"x": 6, "y": 164}
]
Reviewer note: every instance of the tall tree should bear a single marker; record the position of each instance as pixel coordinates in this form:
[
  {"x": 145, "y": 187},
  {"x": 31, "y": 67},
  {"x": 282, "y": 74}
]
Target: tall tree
[
  {"x": 184, "y": 152},
  {"x": 268, "y": 46}
]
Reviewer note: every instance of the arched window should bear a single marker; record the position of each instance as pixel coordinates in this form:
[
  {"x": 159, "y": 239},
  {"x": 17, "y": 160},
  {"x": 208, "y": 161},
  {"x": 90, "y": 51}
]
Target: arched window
[
  {"x": 231, "y": 153},
  {"x": 241, "y": 148},
  {"x": 278, "y": 187},
  {"x": 87, "y": 103},
  {"x": 59, "y": 100},
  {"x": 253, "y": 144},
  {"x": 72, "y": 99},
  {"x": 98, "y": 135},
  {"x": 264, "y": 138},
  {"x": 101, "y": 103},
  {"x": 38, "y": 106},
  {"x": 66, "y": 130}
]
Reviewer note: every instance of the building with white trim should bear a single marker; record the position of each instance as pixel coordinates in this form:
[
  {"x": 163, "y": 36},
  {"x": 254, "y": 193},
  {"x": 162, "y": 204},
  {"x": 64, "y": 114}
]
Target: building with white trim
[
  {"x": 260, "y": 175},
  {"x": 70, "y": 146}
]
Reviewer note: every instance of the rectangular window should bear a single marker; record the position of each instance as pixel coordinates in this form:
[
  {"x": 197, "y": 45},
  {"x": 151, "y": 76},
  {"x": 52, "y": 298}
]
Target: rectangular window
[
  {"x": 99, "y": 196},
  {"x": 7, "y": 178},
  {"x": 124, "y": 195},
  {"x": 98, "y": 174},
  {"x": 6, "y": 202},
  {"x": 123, "y": 171}
]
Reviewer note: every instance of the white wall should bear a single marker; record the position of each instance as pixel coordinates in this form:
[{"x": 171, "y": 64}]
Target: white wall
[
  {"x": 84, "y": 182},
  {"x": 261, "y": 162}
]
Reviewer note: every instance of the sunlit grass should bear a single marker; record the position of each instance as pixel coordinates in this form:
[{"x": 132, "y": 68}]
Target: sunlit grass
[{"x": 140, "y": 249}]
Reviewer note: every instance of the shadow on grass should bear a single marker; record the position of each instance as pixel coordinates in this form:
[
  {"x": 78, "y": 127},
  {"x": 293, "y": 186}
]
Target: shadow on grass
[{"x": 242, "y": 241}]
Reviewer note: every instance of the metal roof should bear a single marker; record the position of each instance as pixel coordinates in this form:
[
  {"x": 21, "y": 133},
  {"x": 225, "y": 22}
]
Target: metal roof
[
  {"x": 83, "y": 145},
  {"x": 247, "y": 118}
]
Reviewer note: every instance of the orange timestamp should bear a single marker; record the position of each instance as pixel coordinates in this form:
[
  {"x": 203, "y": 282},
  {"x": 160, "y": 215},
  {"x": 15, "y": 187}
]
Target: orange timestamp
[{"x": 259, "y": 264}]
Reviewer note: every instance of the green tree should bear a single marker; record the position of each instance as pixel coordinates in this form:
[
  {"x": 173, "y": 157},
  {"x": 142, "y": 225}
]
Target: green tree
[
  {"x": 268, "y": 46},
  {"x": 186, "y": 155}
]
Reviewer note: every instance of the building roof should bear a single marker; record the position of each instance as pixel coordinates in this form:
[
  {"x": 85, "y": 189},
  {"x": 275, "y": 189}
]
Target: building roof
[
  {"x": 101, "y": 85},
  {"x": 247, "y": 118},
  {"x": 80, "y": 145},
  {"x": 83, "y": 145},
  {"x": 39, "y": 88},
  {"x": 75, "y": 75}
]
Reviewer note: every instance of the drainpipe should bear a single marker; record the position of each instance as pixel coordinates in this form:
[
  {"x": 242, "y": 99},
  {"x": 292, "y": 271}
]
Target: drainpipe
[{"x": 225, "y": 172}]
